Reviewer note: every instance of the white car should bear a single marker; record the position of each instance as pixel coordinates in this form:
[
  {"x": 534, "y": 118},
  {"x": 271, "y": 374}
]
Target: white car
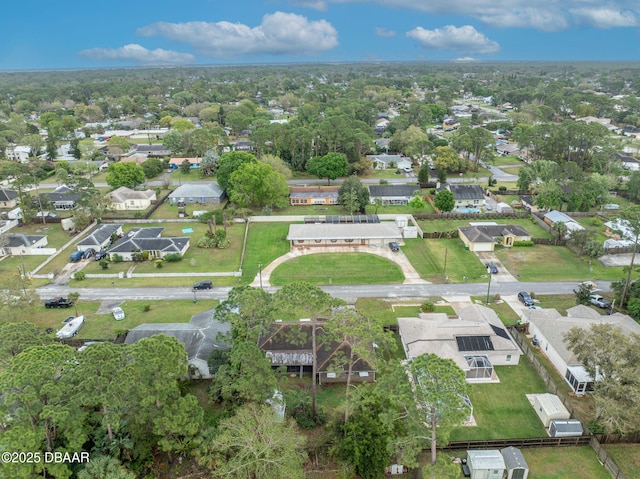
[{"x": 118, "y": 313}]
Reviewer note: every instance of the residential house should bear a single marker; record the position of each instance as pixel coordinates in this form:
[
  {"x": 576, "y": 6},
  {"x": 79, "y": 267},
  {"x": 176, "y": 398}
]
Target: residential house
[
  {"x": 177, "y": 162},
  {"x": 548, "y": 327},
  {"x": 63, "y": 198},
  {"x": 124, "y": 198},
  {"x": 243, "y": 146},
  {"x": 8, "y": 198},
  {"x": 555, "y": 216},
  {"x": 100, "y": 238},
  {"x": 137, "y": 158},
  {"x": 476, "y": 341},
  {"x": 528, "y": 203},
  {"x": 200, "y": 336},
  {"x": 392, "y": 194},
  {"x": 314, "y": 235},
  {"x": 290, "y": 345},
  {"x": 507, "y": 149},
  {"x": 208, "y": 192},
  {"x": 313, "y": 195},
  {"x": 629, "y": 163},
  {"x": 19, "y": 153},
  {"x": 384, "y": 161},
  {"x": 154, "y": 150},
  {"x": 148, "y": 240},
  {"x": 484, "y": 236},
  {"x": 22, "y": 244},
  {"x": 466, "y": 196}
]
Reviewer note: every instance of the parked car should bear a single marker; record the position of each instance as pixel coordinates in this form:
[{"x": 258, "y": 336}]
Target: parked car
[
  {"x": 100, "y": 255},
  {"x": 203, "y": 285},
  {"x": 394, "y": 246},
  {"x": 525, "y": 298},
  {"x": 88, "y": 253},
  {"x": 599, "y": 301},
  {"x": 58, "y": 302},
  {"x": 76, "y": 256},
  {"x": 491, "y": 268},
  {"x": 118, "y": 313}
]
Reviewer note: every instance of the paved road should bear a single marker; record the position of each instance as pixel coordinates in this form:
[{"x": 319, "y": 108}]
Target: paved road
[{"x": 347, "y": 292}]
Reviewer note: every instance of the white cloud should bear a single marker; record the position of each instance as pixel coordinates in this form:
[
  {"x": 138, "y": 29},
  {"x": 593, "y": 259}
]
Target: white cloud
[
  {"x": 278, "y": 34},
  {"x": 547, "y": 15},
  {"x": 385, "y": 33},
  {"x": 605, "y": 17},
  {"x": 464, "y": 39},
  {"x": 138, "y": 54},
  {"x": 464, "y": 60},
  {"x": 320, "y": 5}
]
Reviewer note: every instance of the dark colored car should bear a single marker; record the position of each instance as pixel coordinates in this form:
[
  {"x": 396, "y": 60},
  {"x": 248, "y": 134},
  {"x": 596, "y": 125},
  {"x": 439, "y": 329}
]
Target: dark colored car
[
  {"x": 58, "y": 302},
  {"x": 76, "y": 256},
  {"x": 100, "y": 255},
  {"x": 492, "y": 268},
  {"x": 524, "y": 297},
  {"x": 394, "y": 246},
  {"x": 203, "y": 285}
]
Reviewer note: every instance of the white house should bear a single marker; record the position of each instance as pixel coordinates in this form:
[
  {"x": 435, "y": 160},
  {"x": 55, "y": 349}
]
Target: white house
[
  {"x": 125, "y": 198},
  {"x": 28, "y": 245},
  {"x": 18, "y": 153}
]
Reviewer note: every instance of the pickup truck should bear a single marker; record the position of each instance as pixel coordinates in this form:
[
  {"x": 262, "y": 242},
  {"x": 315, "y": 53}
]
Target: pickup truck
[
  {"x": 58, "y": 302},
  {"x": 599, "y": 301}
]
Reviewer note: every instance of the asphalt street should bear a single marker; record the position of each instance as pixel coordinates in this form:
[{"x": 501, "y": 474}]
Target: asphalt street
[{"x": 347, "y": 292}]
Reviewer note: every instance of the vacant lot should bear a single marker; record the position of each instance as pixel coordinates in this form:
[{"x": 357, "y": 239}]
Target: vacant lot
[
  {"x": 337, "y": 268},
  {"x": 554, "y": 263},
  {"x": 265, "y": 242},
  {"x": 435, "y": 259}
]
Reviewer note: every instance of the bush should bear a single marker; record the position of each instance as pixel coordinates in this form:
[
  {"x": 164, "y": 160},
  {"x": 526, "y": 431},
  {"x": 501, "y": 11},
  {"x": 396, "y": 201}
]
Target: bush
[
  {"x": 523, "y": 243},
  {"x": 173, "y": 257},
  {"x": 384, "y": 182},
  {"x": 502, "y": 188},
  {"x": 104, "y": 264},
  {"x": 427, "y": 307},
  {"x": 159, "y": 263},
  {"x": 116, "y": 258},
  {"x": 596, "y": 221},
  {"x": 206, "y": 242},
  {"x": 79, "y": 275},
  {"x": 146, "y": 308},
  {"x": 266, "y": 211},
  {"x": 299, "y": 408}
]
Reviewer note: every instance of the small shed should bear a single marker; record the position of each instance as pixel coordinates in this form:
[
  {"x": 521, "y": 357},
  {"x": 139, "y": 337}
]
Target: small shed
[
  {"x": 486, "y": 464},
  {"x": 565, "y": 428},
  {"x": 517, "y": 467},
  {"x": 549, "y": 407}
]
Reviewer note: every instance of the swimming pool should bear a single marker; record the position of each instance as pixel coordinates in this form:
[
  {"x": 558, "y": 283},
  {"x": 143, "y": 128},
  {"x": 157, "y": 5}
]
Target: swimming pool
[{"x": 468, "y": 210}]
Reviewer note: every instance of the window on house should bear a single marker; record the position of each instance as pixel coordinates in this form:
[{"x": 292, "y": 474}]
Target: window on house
[{"x": 508, "y": 357}]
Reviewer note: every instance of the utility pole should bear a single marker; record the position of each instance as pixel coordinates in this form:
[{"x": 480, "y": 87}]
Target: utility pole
[
  {"x": 260, "y": 274},
  {"x": 488, "y": 287}
]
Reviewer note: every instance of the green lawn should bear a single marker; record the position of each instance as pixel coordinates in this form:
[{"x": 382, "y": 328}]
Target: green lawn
[
  {"x": 388, "y": 313},
  {"x": 443, "y": 225},
  {"x": 565, "y": 462},
  {"x": 338, "y": 268},
  {"x": 507, "y": 315},
  {"x": 554, "y": 263},
  {"x": 265, "y": 243},
  {"x": 391, "y": 173},
  {"x": 399, "y": 210},
  {"x": 626, "y": 456},
  {"x": 103, "y": 326},
  {"x": 502, "y": 410},
  {"x": 428, "y": 257},
  {"x": 506, "y": 161}
]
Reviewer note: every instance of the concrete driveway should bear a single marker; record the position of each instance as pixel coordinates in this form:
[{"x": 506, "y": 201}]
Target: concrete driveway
[
  {"x": 68, "y": 271},
  {"x": 503, "y": 276},
  {"x": 411, "y": 276}
]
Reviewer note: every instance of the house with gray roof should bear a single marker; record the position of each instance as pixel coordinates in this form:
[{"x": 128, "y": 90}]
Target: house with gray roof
[
  {"x": 555, "y": 216},
  {"x": 99, "y": 238},
  {"x": 384, "y": 161},
  {"x": 63, "y": 198},
  {"x": 549, "y": 327},
  {"x": 148, "y": 240},
  {"x": 392, "y": 194},
  {"x": 200, "y": 336},
  {"x": 310, "y": 235},
  {"x": 484, "y": 236},
  {"x": 466, "y": 196},
  {"x": 155, "y": 150},
  {"x": 209, "y": 192},
  {"x": 8, "y": 198},
  {"x": 23, "y": 244}
]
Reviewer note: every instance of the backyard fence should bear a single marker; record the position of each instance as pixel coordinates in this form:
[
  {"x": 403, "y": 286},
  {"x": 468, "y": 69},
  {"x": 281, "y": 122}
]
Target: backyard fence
[
  {"x": 606, "y": 460},
  {"x": 521, "y": 442},
  {"x": 472, "y": 216}
]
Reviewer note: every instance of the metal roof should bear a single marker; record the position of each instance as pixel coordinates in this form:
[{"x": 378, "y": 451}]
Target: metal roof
[{"x": 343, "y": 231}]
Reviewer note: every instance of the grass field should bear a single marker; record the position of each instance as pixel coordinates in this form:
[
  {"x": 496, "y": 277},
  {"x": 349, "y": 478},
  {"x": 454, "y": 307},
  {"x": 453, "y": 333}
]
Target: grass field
[
  {"x": 428, "y": 258},
  {"x": 506, "y": 161},
  {"x": 565, "y": 462},
  {"x": 502, "y": 410},
  {"x": 507, "y": 315},
  {"x": 338, "y": 268},
  {"x": 103, "y": 326},
  {"x": 265, "y": 242},
  {"x": 554, "y": 263},
  {"x": 626, "y": 456}
]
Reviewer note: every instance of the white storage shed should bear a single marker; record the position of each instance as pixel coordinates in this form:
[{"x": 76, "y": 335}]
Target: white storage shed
[
  {"x": 486, "y": 464},
  {"x": 517, "y": 467},
  {"x": 565, "y": 428},
  {"x": 549, "y": 407}
]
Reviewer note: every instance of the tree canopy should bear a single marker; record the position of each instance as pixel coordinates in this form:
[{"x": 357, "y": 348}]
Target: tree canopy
[
  {"x": 329, "y": 166},
  {"x": 124, "y": 174}
]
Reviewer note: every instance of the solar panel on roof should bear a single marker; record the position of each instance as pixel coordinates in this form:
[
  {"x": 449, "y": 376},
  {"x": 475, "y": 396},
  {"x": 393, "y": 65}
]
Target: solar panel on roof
[
  {"x": 500, "y": 332},
  {"x": 474, "y": 343}
]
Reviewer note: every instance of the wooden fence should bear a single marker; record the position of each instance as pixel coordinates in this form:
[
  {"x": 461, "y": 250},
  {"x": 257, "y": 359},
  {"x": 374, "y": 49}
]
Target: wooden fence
[
  {"x": 606, "y": 460},
  {"x": 472, "y": 216},
  {"x": 521, "y": 442}
]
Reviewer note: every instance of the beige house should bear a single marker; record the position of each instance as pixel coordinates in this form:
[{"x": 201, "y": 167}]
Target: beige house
[
  {"x": 18, "y": 244},
  {"x": 8, "y": 198},
  {"x": 127, "y": 199},
  {"x": 484, "y": 237}
]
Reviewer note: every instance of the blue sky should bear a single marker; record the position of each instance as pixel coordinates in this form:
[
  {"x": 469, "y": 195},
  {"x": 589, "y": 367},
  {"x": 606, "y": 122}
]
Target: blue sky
[{"x": 48, "y": 34}]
